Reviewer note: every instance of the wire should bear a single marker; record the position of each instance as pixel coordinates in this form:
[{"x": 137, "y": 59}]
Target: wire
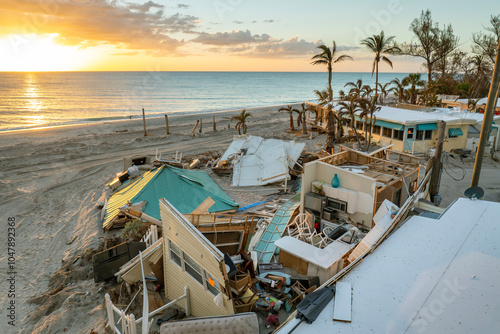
[{"x": 449, "y": 169}]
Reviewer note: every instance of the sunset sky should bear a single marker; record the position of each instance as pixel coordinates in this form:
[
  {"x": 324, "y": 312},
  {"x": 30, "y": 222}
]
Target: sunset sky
[{"x": 213, "y": 35}]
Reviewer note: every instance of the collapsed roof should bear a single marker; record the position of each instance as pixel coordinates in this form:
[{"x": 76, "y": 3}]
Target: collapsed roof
[
  {"x": 185, "y": 189},
  {"x": 259, "y": 161}
]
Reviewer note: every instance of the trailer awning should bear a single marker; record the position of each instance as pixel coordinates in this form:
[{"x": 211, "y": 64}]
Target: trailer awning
[
  {"x": 455, "y": 132},
  {"x": 390, "y": 125},
  {"x": 427, "y": 126}
]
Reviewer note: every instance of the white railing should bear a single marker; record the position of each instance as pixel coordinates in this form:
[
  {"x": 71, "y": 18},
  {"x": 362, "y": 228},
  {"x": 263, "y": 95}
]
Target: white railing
[
  {"x": 129, "y": 324},
  {"x": 151, "y": 236}
]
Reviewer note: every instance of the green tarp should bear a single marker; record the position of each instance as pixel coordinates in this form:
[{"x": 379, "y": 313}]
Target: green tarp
[
  {"x": 184, "y": 189},
  {"x": 427, "y": 126},
  {"x": 390, "y": 125}
]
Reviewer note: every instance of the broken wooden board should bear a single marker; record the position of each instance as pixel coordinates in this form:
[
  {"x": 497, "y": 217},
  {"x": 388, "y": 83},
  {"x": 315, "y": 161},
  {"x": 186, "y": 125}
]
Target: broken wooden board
[
  {"x": 204, "y": 206},
  {"x": 342, "y": 308}
]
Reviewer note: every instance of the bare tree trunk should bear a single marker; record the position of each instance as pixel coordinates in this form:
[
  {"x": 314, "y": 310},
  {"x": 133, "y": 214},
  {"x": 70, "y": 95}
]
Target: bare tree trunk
[
  {"x": 304, "y": 126},
  {"x": 355, "y": 131},
  {"x": 291, "y": 122},
  {"x": 429, "y": 72}
]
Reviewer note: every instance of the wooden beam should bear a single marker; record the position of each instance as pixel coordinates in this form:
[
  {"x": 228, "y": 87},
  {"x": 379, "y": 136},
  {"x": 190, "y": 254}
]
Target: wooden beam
[{"x": 204, "y": 206}]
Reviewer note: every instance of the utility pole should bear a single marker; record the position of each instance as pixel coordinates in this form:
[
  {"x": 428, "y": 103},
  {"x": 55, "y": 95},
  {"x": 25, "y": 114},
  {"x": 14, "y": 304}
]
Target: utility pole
[
  {"x": 436, "y": 169},
  {"x": 487, "y": 119}
]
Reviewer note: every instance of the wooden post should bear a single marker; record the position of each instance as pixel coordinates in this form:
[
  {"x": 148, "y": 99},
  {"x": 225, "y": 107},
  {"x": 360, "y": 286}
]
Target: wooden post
[
  {"x": 144, "y": 122},
  {"x": 487, "y": 119},
  {"x": 229, "y": 126},
  {"x": 436, "y": 170},
  {"x": 213, "y": 123},
  {"x": 166, "y": 123},
  {"x": 201, "y": 125},
  {"x": 194, "y": 127},
  {"x": 187, "y": 302},
  {"x": 111, "y": 316},
  {"x": 124, "y": 321},
  {"x": 132, "y": 326}
]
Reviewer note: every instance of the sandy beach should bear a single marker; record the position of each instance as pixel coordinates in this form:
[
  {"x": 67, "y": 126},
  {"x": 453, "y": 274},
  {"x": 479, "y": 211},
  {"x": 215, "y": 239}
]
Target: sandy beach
[{"x": 51, "y": 180}]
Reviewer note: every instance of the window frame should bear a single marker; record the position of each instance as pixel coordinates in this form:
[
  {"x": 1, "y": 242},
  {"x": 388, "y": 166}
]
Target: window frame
[
  {"x": 187, "y": 261},
  {"x": 172, "y": 250},
  {"x": 187, "y": 264},
  {"x": 207, "y": 285},
  {"x": 412, "y": 133},
  {"x": 384, "y": 129},
  {"x": 428, "y": 133},
  {"x": 398, "y": 135}
]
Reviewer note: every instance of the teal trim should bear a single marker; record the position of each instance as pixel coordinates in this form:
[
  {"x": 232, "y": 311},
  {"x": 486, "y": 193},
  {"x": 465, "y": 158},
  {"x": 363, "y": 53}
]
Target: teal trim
[
  {"x": 455, "y": 132},
  {"x": 427, "y": 126},
  {"x": 265, "y": 247},
  {"x": 390, "y": 125}
]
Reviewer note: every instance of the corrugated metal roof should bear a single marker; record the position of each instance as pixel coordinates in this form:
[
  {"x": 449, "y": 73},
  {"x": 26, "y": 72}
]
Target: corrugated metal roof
[
  {"x": 185, "y": 189},
  {"x": 265, "y": 248}
]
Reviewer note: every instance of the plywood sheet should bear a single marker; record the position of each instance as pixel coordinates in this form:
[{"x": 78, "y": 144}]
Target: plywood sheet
[{"x": 343, "y": 302}]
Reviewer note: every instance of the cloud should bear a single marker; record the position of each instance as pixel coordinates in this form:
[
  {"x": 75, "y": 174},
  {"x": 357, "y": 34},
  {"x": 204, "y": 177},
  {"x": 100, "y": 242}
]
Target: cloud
[
  {"x": 94, "y": 22},
  {"x": 144, "y": 8},
  {"x": 238, "y": 22},
  {"x": 291, "y": 47},
  {"x": 230, "y": 38},
  {"x": 182, "y": 5},
  {"x": 243, "y": 43},
  {"x": 268, "y": 21}
]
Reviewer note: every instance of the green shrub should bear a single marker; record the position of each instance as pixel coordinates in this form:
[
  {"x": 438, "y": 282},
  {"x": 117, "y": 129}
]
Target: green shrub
[{"x": 134, "y": 230}]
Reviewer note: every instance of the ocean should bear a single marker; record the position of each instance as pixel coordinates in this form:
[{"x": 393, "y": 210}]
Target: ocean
[{"x": 44, "y": 99}]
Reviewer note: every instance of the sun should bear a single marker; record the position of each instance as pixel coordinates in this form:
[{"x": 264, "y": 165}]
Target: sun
[{"x": 30, "y": 53}]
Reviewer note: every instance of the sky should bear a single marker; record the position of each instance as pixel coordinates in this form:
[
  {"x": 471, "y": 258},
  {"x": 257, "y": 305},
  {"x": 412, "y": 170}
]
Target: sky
[{"x": 215, "y": 35}]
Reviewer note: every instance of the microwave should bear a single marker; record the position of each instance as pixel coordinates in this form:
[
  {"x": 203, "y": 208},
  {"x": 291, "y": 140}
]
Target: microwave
[
  {"x": 336, "y": 204},
  {"x": 314, "y": 202}
]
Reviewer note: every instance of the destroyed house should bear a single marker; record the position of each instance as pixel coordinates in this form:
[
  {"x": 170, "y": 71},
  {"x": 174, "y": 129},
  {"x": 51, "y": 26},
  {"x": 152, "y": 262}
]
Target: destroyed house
[
  {"x": 364, "y": 182},
  {"x": 340, "y": 197},
  {"x": 185, "y": 189},
  {"x": 196, "y": 254}
]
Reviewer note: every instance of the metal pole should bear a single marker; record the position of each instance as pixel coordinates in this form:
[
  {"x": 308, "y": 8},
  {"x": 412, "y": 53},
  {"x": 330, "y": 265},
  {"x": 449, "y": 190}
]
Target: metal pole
[
  {"x": 487, "y": 119},
  {"x": 436, "y": 169}
]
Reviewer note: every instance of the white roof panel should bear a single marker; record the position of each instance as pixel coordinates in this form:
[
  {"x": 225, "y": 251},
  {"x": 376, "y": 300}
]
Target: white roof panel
[
  {"x": 323, "y": 258},
  {"x": 430, "y": 276}
]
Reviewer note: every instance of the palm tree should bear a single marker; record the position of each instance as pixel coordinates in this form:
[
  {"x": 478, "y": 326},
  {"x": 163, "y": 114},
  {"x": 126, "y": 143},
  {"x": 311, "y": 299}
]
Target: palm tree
[
  {"x": 399, "y": 90},
  {"x": 301, "y": 118},
  {"x": 380, "y": 45},
  {"x": 290, "y": 110},
  {"x": 368, "y": 108},
  {"x": 384, "y": 91},
  {"x": 241, "y": 126},
  {"x": 325, "y": 99},
  {"x": 350, "y": 107},
  {"x": 366, "y": 91},
  {"x": 327, "y": 57},
  {"x": 355, "y": 87},
  {"x": 414, "y": 80}
]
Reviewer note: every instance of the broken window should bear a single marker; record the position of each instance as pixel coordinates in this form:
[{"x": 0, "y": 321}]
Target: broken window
[{"x": 212, "y": 284}]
